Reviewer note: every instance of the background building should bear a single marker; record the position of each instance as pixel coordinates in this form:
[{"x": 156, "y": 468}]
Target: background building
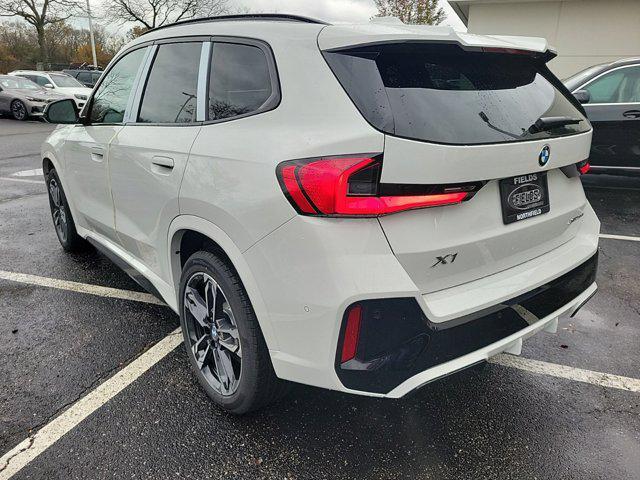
[{"x": 585, "y": 32}]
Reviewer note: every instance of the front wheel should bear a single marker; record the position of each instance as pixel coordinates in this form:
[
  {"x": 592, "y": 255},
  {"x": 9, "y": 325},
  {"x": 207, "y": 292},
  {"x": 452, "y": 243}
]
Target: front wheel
[
  {"x": 222, "y": 337},
  {"x": 19, "y": 110},
  {"x": 61, "y": 215}
]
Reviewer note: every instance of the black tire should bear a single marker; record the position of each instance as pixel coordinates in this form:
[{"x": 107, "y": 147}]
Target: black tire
[
  {"x": 257, "y": 385},
  {"x": 19, "y": 110},
  {"x": 63, "y": 222}
]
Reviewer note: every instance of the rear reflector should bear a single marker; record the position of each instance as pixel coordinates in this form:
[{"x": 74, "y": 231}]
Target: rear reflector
[
  {"x": 583, "y": 167},
  {"x": 351, "y": 333},
  {"x": 350, "y": 186}
]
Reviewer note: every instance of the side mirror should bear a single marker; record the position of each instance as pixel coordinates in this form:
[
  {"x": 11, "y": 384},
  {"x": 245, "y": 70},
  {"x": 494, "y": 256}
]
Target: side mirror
[
  {"x": 48, "y": 85},
  {"x": 62, "y": 111},
  {"x": 583, "y": 96},
  {"x": 0, "y": 89}
]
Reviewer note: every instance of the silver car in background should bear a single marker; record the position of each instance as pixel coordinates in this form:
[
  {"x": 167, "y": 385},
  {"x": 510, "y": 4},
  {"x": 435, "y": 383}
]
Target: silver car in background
[{"x": 23, "y": 98}]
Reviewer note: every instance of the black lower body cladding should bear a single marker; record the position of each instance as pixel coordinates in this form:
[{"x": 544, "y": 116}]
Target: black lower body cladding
[{"x": 396, "y": 341}]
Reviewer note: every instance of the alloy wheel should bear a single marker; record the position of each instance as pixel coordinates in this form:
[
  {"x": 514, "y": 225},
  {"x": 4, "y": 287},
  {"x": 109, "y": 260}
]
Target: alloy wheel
[
  {"x": 18, "y": 110},
  {"x": 58, "y": 211},
  {"x": 213, "y": 334}
]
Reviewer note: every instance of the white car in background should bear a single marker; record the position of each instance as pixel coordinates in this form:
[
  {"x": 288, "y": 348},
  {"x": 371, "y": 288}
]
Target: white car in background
[
  {"x": 59, "y": 82},
  {"x": 363, "y": 208}
]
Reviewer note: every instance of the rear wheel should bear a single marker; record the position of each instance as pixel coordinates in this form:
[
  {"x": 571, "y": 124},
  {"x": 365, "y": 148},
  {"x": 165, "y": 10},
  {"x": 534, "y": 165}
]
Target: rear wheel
[
  {"x": 19, "y": 110},
  {"x": 61, "y": 215},
  {"x": 222, "y": 337}
]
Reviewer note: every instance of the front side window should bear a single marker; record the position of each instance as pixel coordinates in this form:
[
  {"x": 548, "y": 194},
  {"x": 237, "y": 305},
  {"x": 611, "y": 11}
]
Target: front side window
[
  {"x": 170, "y": 95},
  {"x": 240, "y": 81},
  {"x": 18, "y": 83},
  {"x": 441, "y": 93},
  {"x": 619, "y": 86},
  {"x": 111, "y": 98}
]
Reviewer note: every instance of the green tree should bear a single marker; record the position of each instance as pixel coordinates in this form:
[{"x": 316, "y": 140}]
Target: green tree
[{"x": 412, "y": 11}]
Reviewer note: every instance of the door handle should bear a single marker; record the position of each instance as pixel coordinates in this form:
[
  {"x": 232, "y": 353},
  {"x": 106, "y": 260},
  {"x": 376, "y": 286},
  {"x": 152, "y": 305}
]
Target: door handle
[
  {"x": 165, "y": 162},
  {"x": 97, "y": 154},
  {"x": 631, "y": 114}
]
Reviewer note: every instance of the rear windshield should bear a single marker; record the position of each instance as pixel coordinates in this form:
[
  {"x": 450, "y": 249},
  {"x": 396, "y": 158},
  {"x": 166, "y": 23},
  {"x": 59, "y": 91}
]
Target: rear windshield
[
  {"x": 65, "y": 81},
  {"x": 444, "y": 94}
]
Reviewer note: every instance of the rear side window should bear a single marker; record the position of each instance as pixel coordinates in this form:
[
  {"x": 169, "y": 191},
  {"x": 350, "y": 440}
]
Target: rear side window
[
  {"x": 170, "y": 95},
  {"x": 619, "y": 86},
  {"x": 444, "y": 94},
  {"x": 240, "y": 82}
]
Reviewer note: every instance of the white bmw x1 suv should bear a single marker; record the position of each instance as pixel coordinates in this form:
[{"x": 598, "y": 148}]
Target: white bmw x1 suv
[{"x": 364, "y": 208}]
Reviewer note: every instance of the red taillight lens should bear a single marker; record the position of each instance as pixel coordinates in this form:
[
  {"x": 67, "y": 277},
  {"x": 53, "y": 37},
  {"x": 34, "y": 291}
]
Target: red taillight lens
[
  {"x": 351, "y": 333},
  {"x": 584, "y": 167},
  {"x": 510, "y": 51},
  {"x": 350, "y": 187}
]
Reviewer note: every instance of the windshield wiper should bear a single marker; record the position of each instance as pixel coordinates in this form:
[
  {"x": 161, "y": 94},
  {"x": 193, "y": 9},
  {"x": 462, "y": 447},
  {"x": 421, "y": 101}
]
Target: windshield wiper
[{"x": 549, "y": 123}]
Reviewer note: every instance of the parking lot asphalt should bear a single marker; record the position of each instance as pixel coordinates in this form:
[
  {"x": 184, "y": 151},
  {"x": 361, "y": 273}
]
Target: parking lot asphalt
[{"x": 57, "y": 345}]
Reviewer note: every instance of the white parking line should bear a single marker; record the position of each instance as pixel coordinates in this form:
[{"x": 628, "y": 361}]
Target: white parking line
[
  {"x": 34, "y": 172},
  {"x": 620, "y": 237},
  {"x": 30, "y": 448},
  {"x": 80, "y": 287},
  {"x": 569, "y": 373},
  {"x": 22, "y": 180}
]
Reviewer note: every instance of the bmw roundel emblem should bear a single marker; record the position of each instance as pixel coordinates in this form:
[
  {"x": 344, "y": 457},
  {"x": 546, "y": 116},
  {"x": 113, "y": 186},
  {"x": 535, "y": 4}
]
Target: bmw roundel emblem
[{"x": 544, "y": 156}]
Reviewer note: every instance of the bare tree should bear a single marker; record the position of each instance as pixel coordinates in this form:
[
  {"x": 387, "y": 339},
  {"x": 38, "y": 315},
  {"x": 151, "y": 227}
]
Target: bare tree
[
  {"x": 155, "y": 13},
  {"x": 412, "y": 11},
  {"x": 40, "y": 14}
]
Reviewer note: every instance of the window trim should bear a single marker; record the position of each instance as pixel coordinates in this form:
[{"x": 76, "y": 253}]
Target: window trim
[
  {"x": 601, "y": 74},
  {"x": 204, "y": 70},
  {"x": 276, "y": 96},
  {"x": 140, "y": 82},
  {"x": 136, "y": 105}
]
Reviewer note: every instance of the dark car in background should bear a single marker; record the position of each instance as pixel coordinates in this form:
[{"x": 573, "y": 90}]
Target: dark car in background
[
  {"x": 610, "y": 94},
  {"x": 87, "y": 77}
]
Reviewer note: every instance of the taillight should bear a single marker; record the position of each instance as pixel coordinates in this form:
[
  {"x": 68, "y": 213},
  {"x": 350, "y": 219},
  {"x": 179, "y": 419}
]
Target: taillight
[
  {"x": 583, "y": 167},
  {"x": 510, "y": 51},
  {"x": 350, "y": 186}
]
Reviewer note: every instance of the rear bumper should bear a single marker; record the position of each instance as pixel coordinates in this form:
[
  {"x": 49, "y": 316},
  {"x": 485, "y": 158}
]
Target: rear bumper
[
  {"x": 310, "y": 270},
  {"x": 419, "y": 351}
]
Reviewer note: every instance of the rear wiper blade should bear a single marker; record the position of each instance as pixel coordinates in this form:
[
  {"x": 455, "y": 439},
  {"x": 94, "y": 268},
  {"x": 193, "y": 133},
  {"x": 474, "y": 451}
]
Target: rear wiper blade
[
  {"x": 548, "y": 123},
  {"x": 486, "y": 120}
]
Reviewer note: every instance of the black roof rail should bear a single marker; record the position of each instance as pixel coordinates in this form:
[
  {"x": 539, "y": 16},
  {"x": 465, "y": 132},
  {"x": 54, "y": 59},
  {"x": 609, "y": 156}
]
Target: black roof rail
[{"x": 242, "y": 17}]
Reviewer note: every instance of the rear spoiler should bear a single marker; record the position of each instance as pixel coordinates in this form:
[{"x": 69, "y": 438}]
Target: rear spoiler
[
  {"x": 544, "y": 52},
  {"x": 339, "y": 37}
]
